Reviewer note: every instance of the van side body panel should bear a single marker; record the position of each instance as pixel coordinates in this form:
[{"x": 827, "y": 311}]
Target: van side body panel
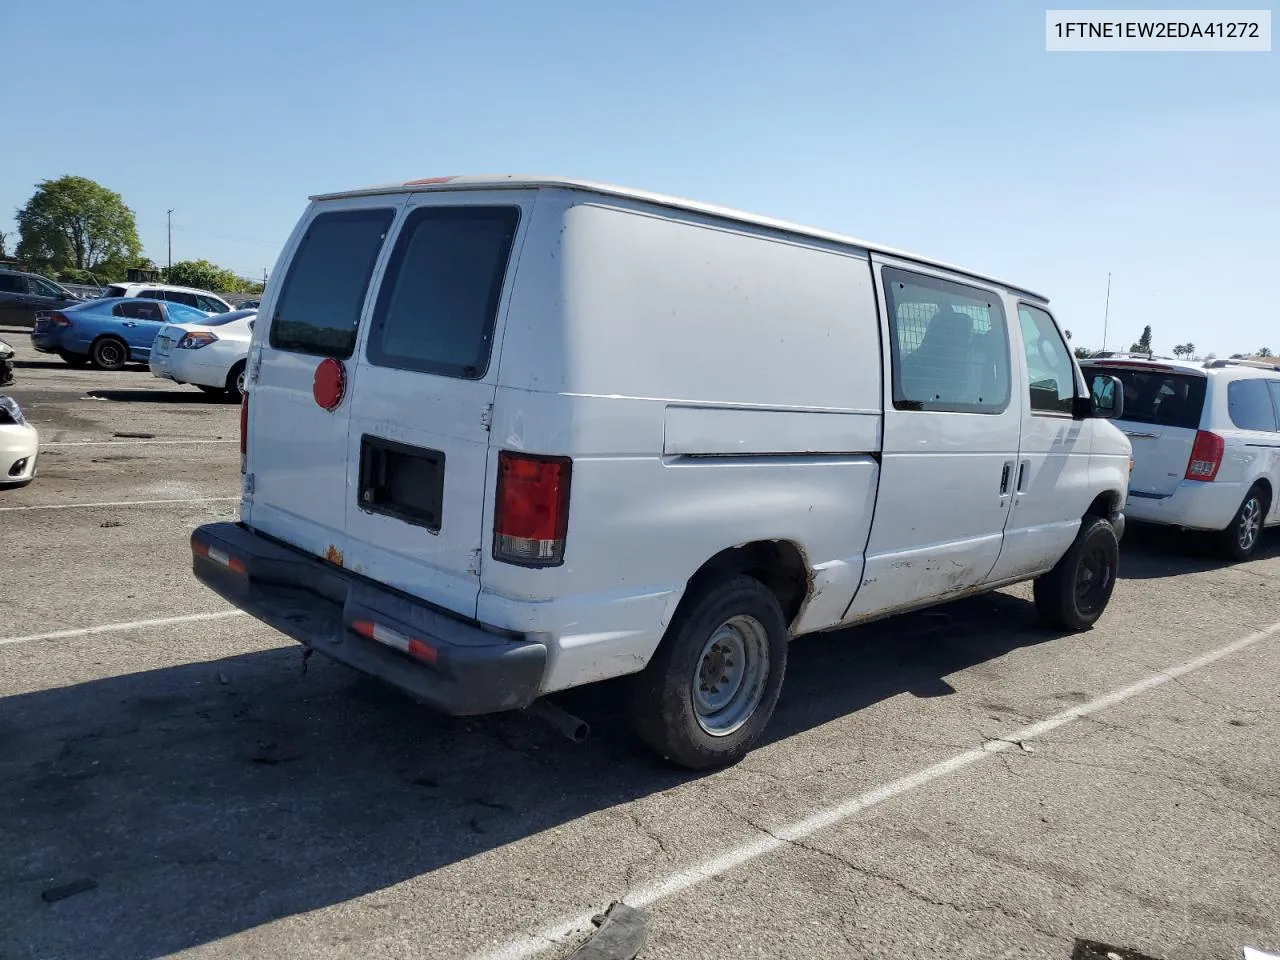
[{"x": 715, "y": 385}]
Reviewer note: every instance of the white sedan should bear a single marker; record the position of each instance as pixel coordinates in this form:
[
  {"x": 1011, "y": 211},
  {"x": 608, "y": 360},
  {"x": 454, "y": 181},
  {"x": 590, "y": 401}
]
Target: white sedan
[
  {"x": 210, "y": 354},
  {"x": 18, "y": 445}
]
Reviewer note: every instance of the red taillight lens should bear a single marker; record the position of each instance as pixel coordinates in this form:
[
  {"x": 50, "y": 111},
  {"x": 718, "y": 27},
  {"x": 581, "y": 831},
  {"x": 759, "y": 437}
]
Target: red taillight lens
[
  {"x": 244, "y": 428},
  {"x": 532, "y": 513},
  {"x": 1206, "y": 456},
  {"x": 59, "y": 320}
]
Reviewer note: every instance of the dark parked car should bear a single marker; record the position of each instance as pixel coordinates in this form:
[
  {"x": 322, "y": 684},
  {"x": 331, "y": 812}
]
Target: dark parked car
[{"x": 23, "y": 295}]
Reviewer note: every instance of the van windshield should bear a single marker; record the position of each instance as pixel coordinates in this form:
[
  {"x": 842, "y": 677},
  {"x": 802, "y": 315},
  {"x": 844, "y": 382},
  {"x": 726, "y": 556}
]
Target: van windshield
[{"x": 1161, "y": 397}]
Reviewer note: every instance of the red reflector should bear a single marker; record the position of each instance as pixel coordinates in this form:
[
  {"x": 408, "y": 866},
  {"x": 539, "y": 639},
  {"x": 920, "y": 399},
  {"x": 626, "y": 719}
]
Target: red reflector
[
  {"x": 330, "y": 383},
  {"x": 1206, "y": 456},
  {"x": 397, "y": 641},
  {"x": 532, "y": 513},
  {"x": 420, "y": 650},
  {"x": 234, "y": 564}
]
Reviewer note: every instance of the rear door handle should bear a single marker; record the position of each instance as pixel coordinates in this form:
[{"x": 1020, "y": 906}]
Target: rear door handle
[
  {"x": 1022, "y": 476},
  {"x": 1004, "y": 477}
]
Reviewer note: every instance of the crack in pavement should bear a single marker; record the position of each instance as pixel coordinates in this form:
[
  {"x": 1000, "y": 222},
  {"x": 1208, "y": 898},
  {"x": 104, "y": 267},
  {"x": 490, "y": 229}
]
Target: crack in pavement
[{"x": 914, "y": 893}]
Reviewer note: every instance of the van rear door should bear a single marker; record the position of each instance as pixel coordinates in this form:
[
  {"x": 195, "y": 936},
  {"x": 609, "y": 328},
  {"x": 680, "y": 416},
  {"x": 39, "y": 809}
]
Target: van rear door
[
  {"x": 1162, "y": 410},
  {"x": 425, "y": 384},
  {"x": 297, "y": 489}
]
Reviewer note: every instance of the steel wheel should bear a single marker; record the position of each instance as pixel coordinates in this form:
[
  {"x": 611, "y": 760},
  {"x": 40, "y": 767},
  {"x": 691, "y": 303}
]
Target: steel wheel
[
  {"x": 240, "y": 382},
  {"x": 729, "y": 680},
  {"x": 1249, "y": 526},
  {"x": 109, "y": 354},
  {"x": 1094, "y": 577}
]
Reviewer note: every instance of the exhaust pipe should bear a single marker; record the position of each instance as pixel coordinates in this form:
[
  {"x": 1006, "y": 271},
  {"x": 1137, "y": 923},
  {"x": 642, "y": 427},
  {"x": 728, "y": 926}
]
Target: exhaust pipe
[{"x": 562, "y": 721}]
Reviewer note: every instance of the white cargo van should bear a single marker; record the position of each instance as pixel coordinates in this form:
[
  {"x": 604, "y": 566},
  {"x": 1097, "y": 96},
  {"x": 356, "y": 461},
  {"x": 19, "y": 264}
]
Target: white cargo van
[{"x": 504, "y": 436}]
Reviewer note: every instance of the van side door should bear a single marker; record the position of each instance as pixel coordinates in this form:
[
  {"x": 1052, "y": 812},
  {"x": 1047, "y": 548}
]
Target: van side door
[
  {"x": 951, "y": 430},
  {"x": 1051, "y": 487}
]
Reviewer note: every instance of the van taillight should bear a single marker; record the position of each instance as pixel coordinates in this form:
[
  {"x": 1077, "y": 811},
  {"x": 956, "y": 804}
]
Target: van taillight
[
  {"x": 244, "y": 428},
  {"x": 1206, "y": 456},
  {"x": 532, "y": 512}
]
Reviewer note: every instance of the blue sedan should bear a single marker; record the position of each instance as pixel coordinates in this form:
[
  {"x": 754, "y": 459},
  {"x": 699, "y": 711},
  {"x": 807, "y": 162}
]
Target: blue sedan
[{"x": 109, "y": 332}]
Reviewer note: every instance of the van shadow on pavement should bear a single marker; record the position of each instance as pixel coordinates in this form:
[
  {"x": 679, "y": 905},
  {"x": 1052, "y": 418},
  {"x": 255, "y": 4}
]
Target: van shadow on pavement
[{"x": 210, "y": 798}]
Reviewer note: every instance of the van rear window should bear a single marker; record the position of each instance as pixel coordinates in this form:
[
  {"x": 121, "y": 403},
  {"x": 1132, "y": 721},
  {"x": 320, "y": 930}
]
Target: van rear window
[
  {"x": 439, "y": 298},
  {"x": 1157, "y": 396},
  {"x": 319, "y": 305}
]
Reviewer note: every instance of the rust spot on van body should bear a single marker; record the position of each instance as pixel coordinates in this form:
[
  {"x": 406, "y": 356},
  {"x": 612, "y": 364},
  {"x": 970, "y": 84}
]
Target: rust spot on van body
[{"x": 333, "y": 555}]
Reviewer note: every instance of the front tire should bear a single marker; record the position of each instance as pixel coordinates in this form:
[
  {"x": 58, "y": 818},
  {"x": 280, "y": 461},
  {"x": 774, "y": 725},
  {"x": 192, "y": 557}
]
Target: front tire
[
  {"x": 109, "y": 353},
  {"x": 1073, "y": 595},
  {"x": 709, "y": 691},
  {"x": 1241, "y": 537}
]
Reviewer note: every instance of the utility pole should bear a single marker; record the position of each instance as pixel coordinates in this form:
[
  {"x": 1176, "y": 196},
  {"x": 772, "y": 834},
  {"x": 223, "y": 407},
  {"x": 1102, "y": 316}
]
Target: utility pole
[
  {"x": 1106, "y": 312},
  {"x": 170, "y": 270}
]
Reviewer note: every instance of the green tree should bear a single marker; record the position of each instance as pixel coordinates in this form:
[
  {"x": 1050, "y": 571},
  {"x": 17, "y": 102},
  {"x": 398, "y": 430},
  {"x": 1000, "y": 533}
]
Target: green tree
[
  {"x": 1184, "y": 350},
  {"x": 3, "y": 251},
  {"x": 1144, "y": 342},
  {"x": 1265, "y": 352},
  {"x": 1085, "y": 353},
  {"x": 206, "y": 276},
  {"x": 75, "y": 222}
]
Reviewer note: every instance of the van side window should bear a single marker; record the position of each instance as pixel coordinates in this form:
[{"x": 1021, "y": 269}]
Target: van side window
[
  {"x": 439, "y": 298},
  {"x": 949, "y": 344},
  {"x": 1274, "y": 387},
  {"x": 323, "y": 293},
  {"x": 1050, "y": 370},
  {"x": 1249, "y": 404}
]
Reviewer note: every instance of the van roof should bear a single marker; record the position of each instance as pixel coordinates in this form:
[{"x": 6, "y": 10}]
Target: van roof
[{"x": 515, "y": 181}]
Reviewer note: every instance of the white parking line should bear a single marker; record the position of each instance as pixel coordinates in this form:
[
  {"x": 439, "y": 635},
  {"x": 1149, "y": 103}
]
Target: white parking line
[
  {"x": 113, "y": 503},
  {"x": 552, "y": 935},
  {"x": 117, "y": 627},
  {"x": 124, "y": 443}
]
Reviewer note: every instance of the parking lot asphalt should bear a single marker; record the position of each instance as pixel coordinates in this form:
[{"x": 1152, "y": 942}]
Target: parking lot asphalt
[{"x": 954, "y": 783}]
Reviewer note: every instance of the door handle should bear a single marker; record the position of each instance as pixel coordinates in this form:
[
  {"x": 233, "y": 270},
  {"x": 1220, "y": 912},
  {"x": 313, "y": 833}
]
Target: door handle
[
  {"x": 1022, "y": 476},
  {"x": 128, "y": 323},
  {"x": 1004, "y": 477}
]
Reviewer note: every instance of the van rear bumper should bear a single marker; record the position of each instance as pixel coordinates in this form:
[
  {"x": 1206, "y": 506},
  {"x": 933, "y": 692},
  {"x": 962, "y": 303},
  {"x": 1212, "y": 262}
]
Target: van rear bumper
[{"x": 474, "y": 670}]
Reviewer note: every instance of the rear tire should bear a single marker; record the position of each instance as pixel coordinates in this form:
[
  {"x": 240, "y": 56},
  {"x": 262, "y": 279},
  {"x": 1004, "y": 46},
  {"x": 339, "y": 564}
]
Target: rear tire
[
  {"x": 73, "y": 359},
  {"x": 109, "y": 353},
  {"x": 235, "y": 383},
  {"x": 1240, "y": 539},
  {"x": 208, "y": 389},
  {"x": 712, "y": 686},
  {"x": 1074, "y": 594}
]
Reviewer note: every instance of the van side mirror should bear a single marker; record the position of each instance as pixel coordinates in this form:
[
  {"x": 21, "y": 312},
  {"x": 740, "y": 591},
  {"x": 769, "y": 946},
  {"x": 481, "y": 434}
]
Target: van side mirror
[{"x": 1107, "y": 397}]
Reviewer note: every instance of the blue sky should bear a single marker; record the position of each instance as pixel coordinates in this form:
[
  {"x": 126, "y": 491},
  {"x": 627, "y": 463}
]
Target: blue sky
[{"x": 941, "y": 127}]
